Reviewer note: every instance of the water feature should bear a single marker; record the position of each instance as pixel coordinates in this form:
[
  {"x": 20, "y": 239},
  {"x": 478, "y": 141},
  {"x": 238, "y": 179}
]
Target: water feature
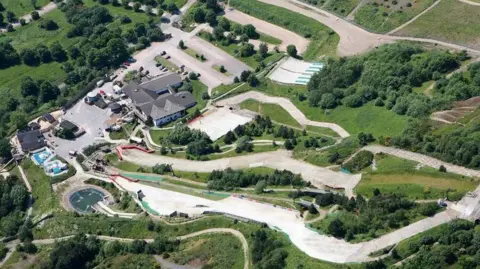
[
  {"x": 83, "y": 200},
  {"x": 41, "y": 156}
]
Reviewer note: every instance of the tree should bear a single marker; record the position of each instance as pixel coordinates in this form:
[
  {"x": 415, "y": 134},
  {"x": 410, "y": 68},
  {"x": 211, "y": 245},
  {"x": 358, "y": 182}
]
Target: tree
[
  {"x": 292, "y": 51},
  {"x": 263, "y": 50},
  {"x": 288, "y": 144},
  {"x": 22, "y": 21},
  {"x": 212, "y": 4},
  {"x": 199, "y": 15},
  {"x": 442, "y": 168},
  {"x": 224, "y": 23},
  {"x": 43, "y": 53},
  {"x": 229, "y": 138},
  {"x": 211, "y": 18},
  {"x": 250, "y": 31},
  {"x": 48, "y": 92},
  {"x": 29, "y": 57},
  {"x": 58, "y": 53},
  {"x": 35, "y": 15},
  {"x": 137, "y": 7},
  {"x": 181, "y": 45},
  {"x": 336, "y": 228},
  {"x": 244, "y": 75},
  {"x": 172, "y": 8},
  {"x": 18, "y": 119},
  {"x": 2, "y": 19},
  {"x": 117, "y": 50},
  {"x": 11, "y": 17},
  {"x": 247, "y": 50},
  {"x": 218, "y": 33},
  {"x": 193, "y": 76},
  {"x": 5, "y": 149},
  {"x": 222, "y": 69},
  {"x": 260, "y": 186},
  {"x": 29, "y": 87},
  {"x": 236, "y": 80},
  {"x": 312, "y": 209}
]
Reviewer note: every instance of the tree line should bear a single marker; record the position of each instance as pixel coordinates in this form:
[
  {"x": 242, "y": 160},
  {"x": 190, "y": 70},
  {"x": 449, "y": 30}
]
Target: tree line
[
  {"x": 13, "y": 203},
  {"x": 365, "y": 218},
  {"x": 387, "y": 77},
  {"x": 230, "y": 179}
]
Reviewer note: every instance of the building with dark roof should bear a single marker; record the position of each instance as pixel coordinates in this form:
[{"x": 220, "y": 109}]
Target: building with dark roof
[
  {"x": 31, "y": 140},
  {"x": 115, "y": 108},
  {"x": 156, "y": 100},
  {"x": 48, "y": 118}
]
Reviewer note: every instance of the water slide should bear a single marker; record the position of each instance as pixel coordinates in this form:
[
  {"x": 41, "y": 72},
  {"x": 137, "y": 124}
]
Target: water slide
[
  {"x": 113, "y": 176},
  {"x": 136, "y": 147}
]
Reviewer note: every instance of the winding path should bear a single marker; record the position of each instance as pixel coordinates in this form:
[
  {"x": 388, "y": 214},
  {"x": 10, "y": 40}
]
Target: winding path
[
  {"x": 285, "y": 104},
  {"x": 423, "y": 159},
  {"x": 470, "y": 2},
  {"x": 415, "y": 18}
]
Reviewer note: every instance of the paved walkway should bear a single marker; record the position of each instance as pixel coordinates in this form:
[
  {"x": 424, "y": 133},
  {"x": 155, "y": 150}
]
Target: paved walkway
[
  {"x": 285, "y": 104},
  {"x": 423, "y": 159}
]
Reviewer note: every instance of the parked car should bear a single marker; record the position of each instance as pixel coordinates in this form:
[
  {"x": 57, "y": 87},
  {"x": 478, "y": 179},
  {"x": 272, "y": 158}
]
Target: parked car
[
  {"x": 185, "y": 73},
  {"x": 168, "y": 57},
  {"x": 131, "y": 60},
  {"x": 163, "y": 53}
]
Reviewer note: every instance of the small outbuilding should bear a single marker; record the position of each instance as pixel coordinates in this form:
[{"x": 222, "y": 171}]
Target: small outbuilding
[{"x": 115, "y": 108}]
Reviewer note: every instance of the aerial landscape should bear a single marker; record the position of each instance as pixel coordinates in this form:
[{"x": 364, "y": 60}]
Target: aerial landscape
[{"x": 237, "y": 134}]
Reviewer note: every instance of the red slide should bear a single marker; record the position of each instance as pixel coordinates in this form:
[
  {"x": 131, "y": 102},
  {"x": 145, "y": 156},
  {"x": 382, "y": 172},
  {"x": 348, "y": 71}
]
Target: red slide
[
  {"x": 113, "y": 176},
  {"x": 136, "y": 147},
  {"x": 119, "y": 154}
]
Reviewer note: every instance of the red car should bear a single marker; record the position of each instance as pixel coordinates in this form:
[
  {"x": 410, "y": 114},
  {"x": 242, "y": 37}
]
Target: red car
[{"x": 126, "y": 63}]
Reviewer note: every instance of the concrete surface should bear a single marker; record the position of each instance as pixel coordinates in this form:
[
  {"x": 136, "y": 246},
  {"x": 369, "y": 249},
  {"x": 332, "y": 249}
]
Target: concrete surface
[{"x": 285, "y": 104}]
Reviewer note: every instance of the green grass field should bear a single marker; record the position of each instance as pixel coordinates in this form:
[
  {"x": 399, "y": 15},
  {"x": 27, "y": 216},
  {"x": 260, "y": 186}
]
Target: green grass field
[
  {"x": 117, "y": 12},
  {"x": 45, "y": 199},
  {"x": 382, "y": 16},
  {"x": 321, "y": 131},
  {"x": 274, "y": 111},
  {"x": 22, "y": 7},
  {"x": 269, "y": 39},
  {"x": 220, "y": 251},
  {"x": 222, "y": 89},
  {"x": 341, "y": 7},
  {"x": 462, "y": 27},
  {"x": 194, "y": 54},
  {"x": 400, "y": 176},
  {"x": 198, "y": 89},
  {"x": 127, "y": 261},
  {"x": 31, "y": 35},
  {"x": 324, "y": 40}
]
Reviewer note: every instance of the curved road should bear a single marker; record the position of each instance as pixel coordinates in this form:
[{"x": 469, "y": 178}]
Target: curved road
[
  {"x": 353, "y": 39},
  {"x": 280, "y": 159},
  {"x": 285, "y": 104}
]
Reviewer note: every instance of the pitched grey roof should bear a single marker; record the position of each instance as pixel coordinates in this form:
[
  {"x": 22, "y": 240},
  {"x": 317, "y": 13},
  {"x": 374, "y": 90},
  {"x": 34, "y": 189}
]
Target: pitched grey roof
[
  {"x": 31, "y": 140},
  {"x": 162, "y": 82},
  {"x": 157, "y": 106}
]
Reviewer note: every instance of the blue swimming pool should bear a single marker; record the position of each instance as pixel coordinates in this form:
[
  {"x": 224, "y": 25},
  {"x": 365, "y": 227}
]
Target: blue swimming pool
[{"x": 41, "y": 156}]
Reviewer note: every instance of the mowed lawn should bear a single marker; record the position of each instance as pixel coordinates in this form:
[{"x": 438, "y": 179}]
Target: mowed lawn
[
  {"x": 274, "y": 111},
  {"x": 450, "y": 21},
  {"x": 31, "y": 35},
  {"x": 400, "y": 176},
  {"x": 341, "y": 7},
  {"x": 22, "y": 7},
  {"x": 382, "y": 16}
]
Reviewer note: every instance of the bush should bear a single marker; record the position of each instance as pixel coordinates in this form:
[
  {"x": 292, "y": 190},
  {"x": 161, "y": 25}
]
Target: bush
[{"x": 35, "y": 15}]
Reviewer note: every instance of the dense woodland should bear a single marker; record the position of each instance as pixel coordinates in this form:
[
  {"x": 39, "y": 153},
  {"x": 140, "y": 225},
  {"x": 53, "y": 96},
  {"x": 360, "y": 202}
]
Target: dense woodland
[
  {"x": 230, "y": 179},
  {"x": 452, "y": 245},
  {"x": 13, "y": 203},
  {"x": 88, "y": 252},
  {"x": 98, "y": 50},
  {"x": 387, "y": 77},
  {"x": 458, "y": 145},
  {"x": 368, "y": 218}
]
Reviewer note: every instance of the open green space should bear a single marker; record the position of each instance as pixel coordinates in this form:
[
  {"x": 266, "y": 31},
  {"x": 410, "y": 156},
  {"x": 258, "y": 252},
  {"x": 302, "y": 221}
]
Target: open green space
[
  {"x": 195, "y": 54},
  {"x": 198, "y": 89},
  {"x": 217, "y": 68},
  {"x": 382, "y": 16},
  {"x": 269, "y": 39},
  {"x": 234, "y": 48},
  {"x": 341, "y": 7},
  {"x": 45, "y": 199},
  {"x": 222, "y": 89},
  {"x": 118, "y": 12},
  {"x": 321, "y": 130},
  {"x": 399, "y": 176},
  {"x": 23, "y": 7},
  {"x": 462, "y": 27},
  {"x": 31, "y": 35},
  {"x": 128, "y": 261},
  {"x": 324, "y": 40},
  {"x": 274, "y": 111},
  {"x": 325, "y": 157},
  {"x": 367, "y": 118},
  {"x": 218, "y": 251}
]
